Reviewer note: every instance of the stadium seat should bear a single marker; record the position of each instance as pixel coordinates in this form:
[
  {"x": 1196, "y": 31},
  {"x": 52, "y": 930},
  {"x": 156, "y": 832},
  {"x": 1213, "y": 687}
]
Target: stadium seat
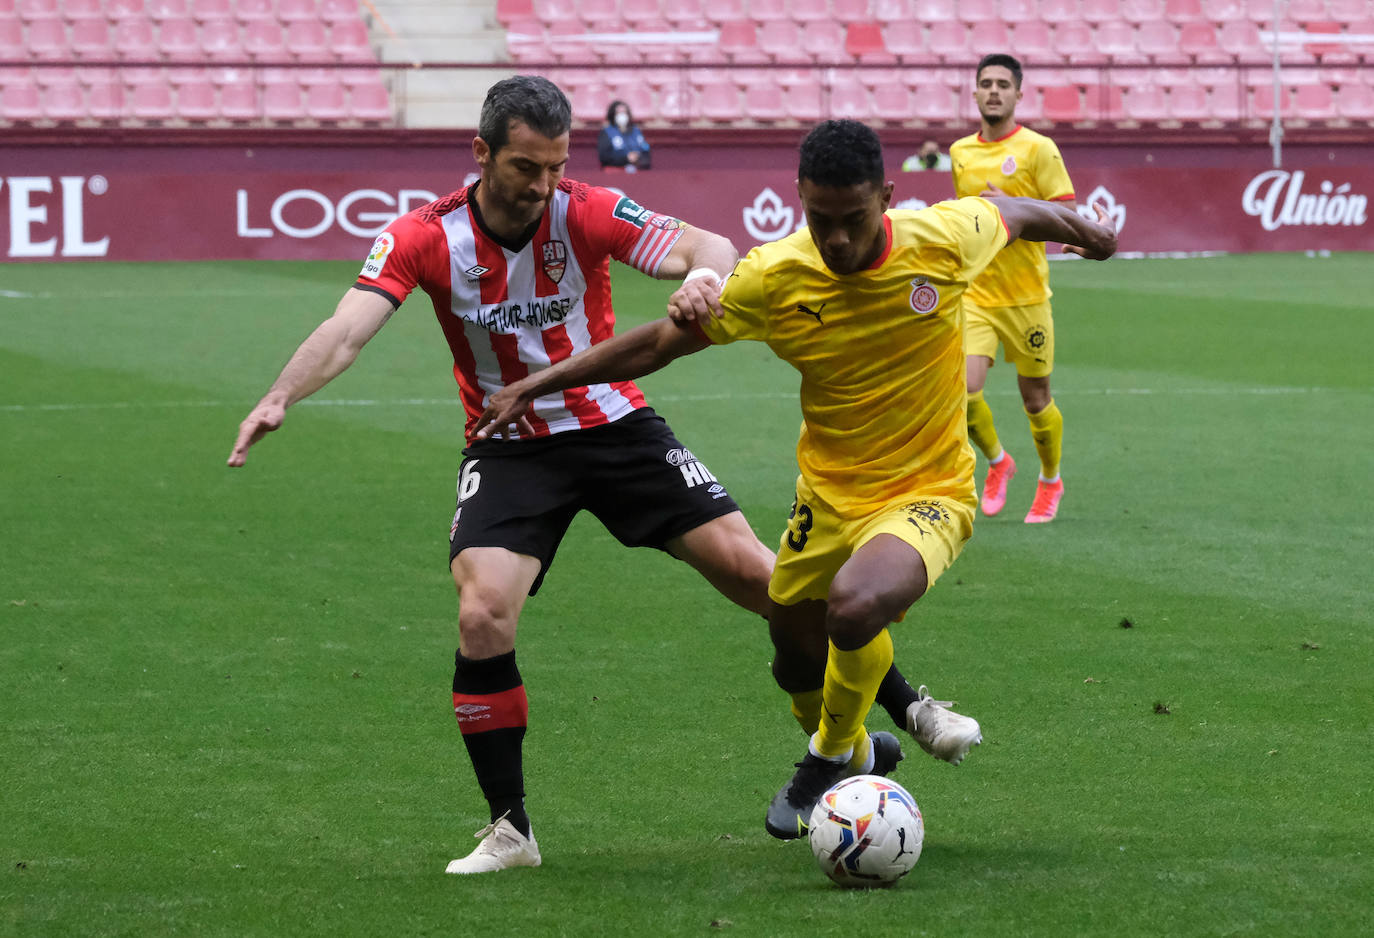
[
  {"x": 307, "y": 41},
  {"x": 1075, "y": 43},
  {"x": 1146, "y": 103},
  {"x": 64, "y": 101},
  {"x": 1304, "y": 11},
  {"x": 905, "y": 39},
  {"x": 718, "y": 101},
  {"x": 568, "y": 42},
  {"x": 1031, "y": 39},
  {"x": 197, "y": 99},
  {"x": 1099, "y": 11},
  {"x": 47, "y": 38},
  {"x": 1063, "y": 103},
  {"x": 263, "y": 40},
  {"x": 31, "y": 10},
  {"x": 891, "y": 102},
  {"x": 20, "y": 101},
  {"x": 1059, "y": 11},
  {"x": 763, "y": 10},
  {"x": 600, "y": 15},
  {"x": 206, "y": 10},
  {"x": 979, "y": 11},
  {"x": 763, "y": 101},
  {"x": 159, "y": 10},
  {"x": 1189, "y": 103},
  {"x": 1032, "y": 104},
  {"x": 1262, "y": 102},
  {"x": 948, "y": 39},
  {"x": 238, "y": 98},
  {"x": 809, "y": 11},
  {"x": 151, "y": 101},
  {"x": 989, "y": 34},
  {"x": 178, "y": 38},
  {"x": 1104, "y": 102},
  {"x": 638, "y": 95},
  {"x": 117, "y": 10},
  {"x": 75, "y": 10},
  {"x": 1224, "y": 102},
  {"x": 1347, "y": 11},
  {"x": 891, "y": 11},
  {"x": 248, "y": 10},
  {"x": 90, "y": 39},
  {"x": 1020, "y": 11},
  {"x": 855, "y": 11},
  {"x": 134, "y": 40},
  {"x": 281, "y": 101},
  {"x": 1159, "y": 40},
  {"x": 806, "y": 102},
  {"x": 1241, "y": 39},
  {"x": 326, "y": 103},
  {"x": 1183, "y": 11},
  {"x": 1356, "y": 102},
  {"x": 1116, "y": 40},
  {"x": 104, "y": 99},
  {"x": 637, "y": 13},
  {"x": 219, "y": 40},
  {"x": 1224, "y": 11},
  {"x": 1314, "y": 102},
  {"x": 847, "y": 99},
  {"x": 933, "y": 103},
  {"x": 340, "y": 11},
  {"x": 1142, "y": 11},
  {"x": 298, "y": 11},
  {"x": 1198, "y": 40},
  {"x": 778, "y": 39},
  {"x": 716, "y": 11},
  {"x": 738, "y": 41},
  {"x": 823, "y": 42},
  {"x": 864, "y": 42},
  {"x": 934, "y": 11},
  {"x": 12, "y": 45},
  {"x": 350, "y": 41}
]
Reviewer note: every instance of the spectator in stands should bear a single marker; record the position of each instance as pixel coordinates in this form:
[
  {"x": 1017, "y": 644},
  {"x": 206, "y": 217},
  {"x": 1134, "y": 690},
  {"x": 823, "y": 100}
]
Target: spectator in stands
[
  {"x": 1009, "y": 303},
  {"x": 928, "y": 157},
  {"x": 622, "y": 144}
]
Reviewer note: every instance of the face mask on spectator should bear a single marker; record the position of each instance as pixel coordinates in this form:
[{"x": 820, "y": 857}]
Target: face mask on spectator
[{"x": 622, "y": 120}]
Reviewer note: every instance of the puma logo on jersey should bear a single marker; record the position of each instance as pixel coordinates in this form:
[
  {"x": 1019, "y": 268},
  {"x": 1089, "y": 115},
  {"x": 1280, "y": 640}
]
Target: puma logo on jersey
[{"x": 803, "y": 308}]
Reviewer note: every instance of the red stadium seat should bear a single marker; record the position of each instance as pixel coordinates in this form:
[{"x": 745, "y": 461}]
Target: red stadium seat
[
  {"x": 64, "y": 101},
  {"x": 892, "y": 11},
  {"x": 949, "y": 40},
  {"x": 1099, "y": 11},
  {"x": 1063, "y": 104},
  {"x": 717, "y": 11},
  {"x": 809, "y": 11},
  {"x": 1142, "y": 11},
  {"x": 764, "y": 102},
  {"x": 934, "y": 102},
  {"x": 206, "y": 10},
  {"x": 75, "y": 10},
  {"x": 123, "y": 9},
  {"x": 20, "y": 101},
  {"x": 1147, "y": 103},
  {"x": 1242, "y": 39},
  {"x": 1104, "y": 102},
  {"x": 1189, "y": 103},
  {"x": 855, "y": 11},
  {"x": 249, "y": 10},
  {"x": 219, "y": 40},
  {"x": 151, "y": 101},
  {"x": 1031, "y": 106},
  {"x": 738, "y": 41},
  {"x": 134, "y": 40},
  {"x": 1031, "y": 39},
  {"x": 637, "y": 12},
  {"x": 780, "y": 39},
  {"x": 985, "y": 35},
  {"x": 238, "y": 99},
  {"x": 1356, "y": 102},
  {"x": 178, "y": 38},
  {"x": 12, "y": 45},
  {"x": 90, "y": 39},
  {"x": 339, "y": 11},
  {"x": 326, "y": 103},
  {"x": 1305, "y": 11},
  {"x": 161, "y": 9},
  {"x": 761, "y": 10},
  {"x": 719, "y": 101},
  {"x": 1076, "y": 44},
  {"x": 350, "y": 41},
  {"x": 38, "y": 9},
  {"x": 806, "y": 102},
  {"x": 979, "y": 11},
  {"x": 1183, "y": 11},
  {"x": 263, "y": 40},
  {"x": 848, "y": 99},
  {"x": 104, "y": 99},
  {"x": 601, "y": 15},
  {"x": 1020, "y": 11},
  {"x": 1198, "y": 40},
  {"x": 1262, "y": 102},
  {"x": 1224, "y": 102},
  {"x": 864, "y": 42},
  {"x": 823, "y": 42},
  {"x": 47, "y": 38},
  {"x": 1347, "y": 11},
  {"x": 891, "y": 102},
  {"x": 1224, "y": 11}
]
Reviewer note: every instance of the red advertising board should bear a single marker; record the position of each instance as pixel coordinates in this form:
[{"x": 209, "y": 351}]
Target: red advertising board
[{"x": 110, "y": 205}]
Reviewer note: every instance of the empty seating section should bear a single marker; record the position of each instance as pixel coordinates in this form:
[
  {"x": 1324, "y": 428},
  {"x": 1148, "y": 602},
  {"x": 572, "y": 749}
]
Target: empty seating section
[
  {"x": 194, "y": 62},
  {"x": 1106, "y": 61}
]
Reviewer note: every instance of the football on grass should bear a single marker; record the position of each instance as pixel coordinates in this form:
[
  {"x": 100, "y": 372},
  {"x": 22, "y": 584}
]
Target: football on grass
[{"x": 866, "y": 831}]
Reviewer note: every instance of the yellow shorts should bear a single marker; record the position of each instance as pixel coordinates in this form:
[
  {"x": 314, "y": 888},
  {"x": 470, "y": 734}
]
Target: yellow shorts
[
  {"x": 817, "y": 542},
  {"x": 1026, "y": 334}
]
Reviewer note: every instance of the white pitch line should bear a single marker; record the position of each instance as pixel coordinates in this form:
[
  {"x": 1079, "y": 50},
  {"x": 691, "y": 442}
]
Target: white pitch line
[{"x": 667, "y": 398}]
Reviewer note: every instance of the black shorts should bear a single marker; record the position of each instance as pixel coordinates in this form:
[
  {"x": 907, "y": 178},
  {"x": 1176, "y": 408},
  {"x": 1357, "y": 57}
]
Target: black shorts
[{"x": 633, "y": 475}]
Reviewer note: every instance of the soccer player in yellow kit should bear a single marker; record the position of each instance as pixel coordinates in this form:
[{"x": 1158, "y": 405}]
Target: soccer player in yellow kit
[
  {"x": 866, "y": 304},
  {"x": 1009, "y": 304}
]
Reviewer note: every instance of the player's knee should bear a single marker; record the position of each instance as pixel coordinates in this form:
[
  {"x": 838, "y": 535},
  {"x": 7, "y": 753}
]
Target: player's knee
[
  {"x": 795, "y": 672},
  {"x": 486, "y": 624},
  {"x": 854, "y": 618}
]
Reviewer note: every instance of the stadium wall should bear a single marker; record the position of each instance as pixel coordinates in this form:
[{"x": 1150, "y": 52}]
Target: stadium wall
[{"x": 316, "y": 198}]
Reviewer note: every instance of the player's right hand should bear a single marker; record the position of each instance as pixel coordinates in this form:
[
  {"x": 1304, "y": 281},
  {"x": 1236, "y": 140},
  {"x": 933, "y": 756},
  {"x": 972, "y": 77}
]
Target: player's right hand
[
  {"x": 697, "y": 299},
  {"x": 265, "y": 418}
]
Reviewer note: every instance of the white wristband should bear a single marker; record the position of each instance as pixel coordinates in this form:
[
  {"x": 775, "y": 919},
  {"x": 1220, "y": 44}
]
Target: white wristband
[{"x": 696, "y": 272}]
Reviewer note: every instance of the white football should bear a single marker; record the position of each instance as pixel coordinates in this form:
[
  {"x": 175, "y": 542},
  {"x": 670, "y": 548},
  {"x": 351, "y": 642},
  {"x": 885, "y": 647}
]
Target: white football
[{"x": 866, "y": 831}]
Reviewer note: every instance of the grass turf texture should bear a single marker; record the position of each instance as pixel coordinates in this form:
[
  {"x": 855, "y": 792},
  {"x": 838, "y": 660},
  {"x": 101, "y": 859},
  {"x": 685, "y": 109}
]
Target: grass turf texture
[{"x": 226, "y": 692}]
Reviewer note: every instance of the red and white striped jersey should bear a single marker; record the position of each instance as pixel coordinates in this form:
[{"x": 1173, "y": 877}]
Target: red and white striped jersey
[{"x": 511, "y": 309}]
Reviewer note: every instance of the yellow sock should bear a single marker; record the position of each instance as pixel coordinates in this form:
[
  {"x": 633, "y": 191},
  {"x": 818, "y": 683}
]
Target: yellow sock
[
  {"x": 1047, "y": 429},
  {"x": 863, "y": 747},
  {"x": 806, "y": 707},
  {"x": 980, "y": 428},
  {"x": 851, "y": 683}
]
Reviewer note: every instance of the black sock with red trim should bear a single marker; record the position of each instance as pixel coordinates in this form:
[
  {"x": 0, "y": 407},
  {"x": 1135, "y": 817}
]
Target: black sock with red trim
[{"x": 489, "y": 701}]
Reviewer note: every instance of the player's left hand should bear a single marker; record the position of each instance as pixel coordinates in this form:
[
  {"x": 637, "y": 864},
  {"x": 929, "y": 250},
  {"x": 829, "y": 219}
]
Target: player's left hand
[
  {"x": 1104, "y": 246},
  {"x": 697, "y": 299},
  {"x": 505, "y": 409},
  {"x": 991, "y": 192}
]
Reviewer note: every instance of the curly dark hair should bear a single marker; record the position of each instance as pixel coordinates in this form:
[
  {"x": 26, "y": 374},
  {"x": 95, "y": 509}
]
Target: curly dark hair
[
  {"x": 1000, "y": 58},
  {"x": 841, "y": 153},
  {"x": 535, "y": 102},
  {"x": 610, "y": 112}
]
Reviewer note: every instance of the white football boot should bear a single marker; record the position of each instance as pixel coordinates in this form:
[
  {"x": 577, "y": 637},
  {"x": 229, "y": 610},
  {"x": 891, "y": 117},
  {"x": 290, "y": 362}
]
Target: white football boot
[
  {"x": 502, "y": 847},
  {"x": 940, "y": 731}
]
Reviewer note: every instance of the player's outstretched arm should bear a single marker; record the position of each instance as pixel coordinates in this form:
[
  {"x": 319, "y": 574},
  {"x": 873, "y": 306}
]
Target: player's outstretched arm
[
  {"x": 1035, "y": 220},
  {"x": 324, "y": 355},
  {"x": 630, "y": 355},
  {"x": 704, "y": 259}
]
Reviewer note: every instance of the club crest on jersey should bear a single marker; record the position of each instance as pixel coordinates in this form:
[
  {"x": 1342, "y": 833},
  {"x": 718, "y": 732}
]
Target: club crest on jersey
[
  {"x": 555, "y": 256},
  {"x": 1009, "y": 166},
  {"x": 924, "y": 297},
  {"x": 376, "y": 258}
]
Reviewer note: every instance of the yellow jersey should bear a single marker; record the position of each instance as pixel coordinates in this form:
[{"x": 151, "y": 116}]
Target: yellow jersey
[
  {"x": 880, "y": 351},
  {"x": 1022, "y": 163}
]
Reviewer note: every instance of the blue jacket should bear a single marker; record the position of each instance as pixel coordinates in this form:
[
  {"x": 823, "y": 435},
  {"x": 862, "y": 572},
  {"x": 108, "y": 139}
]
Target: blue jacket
[{"x": 614, "y": 147}]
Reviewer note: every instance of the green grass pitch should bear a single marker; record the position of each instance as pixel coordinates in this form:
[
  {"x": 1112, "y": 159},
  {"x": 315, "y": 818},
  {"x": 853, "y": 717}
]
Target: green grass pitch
[{"x": 226, "y": 693}]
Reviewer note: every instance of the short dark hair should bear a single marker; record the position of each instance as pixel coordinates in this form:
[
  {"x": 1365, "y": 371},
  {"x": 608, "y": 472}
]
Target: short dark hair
[
  {"x": 1000, "y": 58},
  {"x": 841, "y": 153},
  {"x": 535, "y": 102},
  {"x": 610, "y": 111}
]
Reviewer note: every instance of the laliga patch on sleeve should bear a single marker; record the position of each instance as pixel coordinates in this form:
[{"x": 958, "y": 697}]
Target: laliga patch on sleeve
[
  {"x": 376, "y": 259},
  {"x": 631, "y": 211}
]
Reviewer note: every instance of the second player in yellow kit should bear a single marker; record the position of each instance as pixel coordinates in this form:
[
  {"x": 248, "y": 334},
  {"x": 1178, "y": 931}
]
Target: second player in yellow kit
[
  {"x": 1009, "y": 305},
  {"x": 866, "y": 304}
]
